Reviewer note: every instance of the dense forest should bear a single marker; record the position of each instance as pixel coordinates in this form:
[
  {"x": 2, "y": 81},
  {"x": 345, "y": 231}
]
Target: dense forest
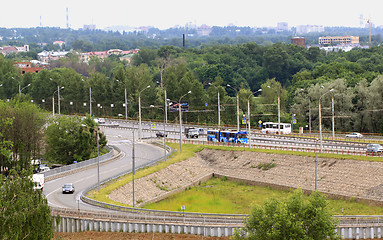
[{"x": 299, "y": 76}]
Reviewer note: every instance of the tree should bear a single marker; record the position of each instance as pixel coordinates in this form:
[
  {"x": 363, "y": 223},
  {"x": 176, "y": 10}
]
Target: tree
[
  {"x": 294, "y": 218},
  {"x": 69, "y": 139},
  {"x": 24, "y": 212}
]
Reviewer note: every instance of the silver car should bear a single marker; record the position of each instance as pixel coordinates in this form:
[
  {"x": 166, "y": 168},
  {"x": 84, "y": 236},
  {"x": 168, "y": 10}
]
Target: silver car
[
  {"x": 68, "y": 188},
  {"x": 374, "y": 148},
  {"x": 354, "y": 135}
]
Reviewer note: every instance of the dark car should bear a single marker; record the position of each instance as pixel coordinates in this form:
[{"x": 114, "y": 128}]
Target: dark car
[
  {"x": 374, "y": 148},
  {"x": 161, "y": 134},
  {"x": 68, "y": 188}
]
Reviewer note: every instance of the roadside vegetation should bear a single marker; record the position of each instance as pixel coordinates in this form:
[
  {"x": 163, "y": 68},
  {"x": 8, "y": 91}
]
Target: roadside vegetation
[{"x": 216, "y": 195}]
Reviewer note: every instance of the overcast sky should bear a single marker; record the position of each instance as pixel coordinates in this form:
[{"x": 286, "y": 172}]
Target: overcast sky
[{"x": 168, "y": 13}]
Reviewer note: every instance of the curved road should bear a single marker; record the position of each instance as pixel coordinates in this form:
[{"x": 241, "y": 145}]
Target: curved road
[{"x": 144, "y": 154}]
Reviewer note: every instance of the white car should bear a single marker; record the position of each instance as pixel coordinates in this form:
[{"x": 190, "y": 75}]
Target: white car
[{"x": 354, "y": 135}]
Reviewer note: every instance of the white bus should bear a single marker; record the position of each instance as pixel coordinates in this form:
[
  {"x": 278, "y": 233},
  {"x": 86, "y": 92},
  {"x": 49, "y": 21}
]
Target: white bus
[{"x": 272, "y": 127}]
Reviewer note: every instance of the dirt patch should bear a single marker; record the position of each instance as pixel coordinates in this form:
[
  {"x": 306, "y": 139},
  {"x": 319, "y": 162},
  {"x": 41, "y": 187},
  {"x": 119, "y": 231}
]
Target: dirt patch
[{"x": 348, "y": 178}]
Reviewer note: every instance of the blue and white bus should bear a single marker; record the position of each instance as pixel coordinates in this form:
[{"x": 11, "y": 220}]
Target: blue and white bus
[{"x": 227, "y": 136}]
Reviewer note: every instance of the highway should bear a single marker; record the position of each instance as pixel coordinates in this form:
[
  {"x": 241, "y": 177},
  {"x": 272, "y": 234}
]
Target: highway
[{"x": 144, "y": 153}]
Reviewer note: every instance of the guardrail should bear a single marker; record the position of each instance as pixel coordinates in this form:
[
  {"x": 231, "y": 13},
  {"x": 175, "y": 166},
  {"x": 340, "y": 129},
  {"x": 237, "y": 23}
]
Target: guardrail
[{"x": 283, "y": 148}]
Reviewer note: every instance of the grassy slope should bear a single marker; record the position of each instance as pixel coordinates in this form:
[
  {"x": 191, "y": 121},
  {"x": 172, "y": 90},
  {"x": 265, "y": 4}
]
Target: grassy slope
[{"x": 219, "y": 202}]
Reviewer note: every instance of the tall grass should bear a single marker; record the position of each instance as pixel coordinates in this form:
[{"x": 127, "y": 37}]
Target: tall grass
[
  {"x": 220, "y": 196},
  {"x": 189, "y": 150}
]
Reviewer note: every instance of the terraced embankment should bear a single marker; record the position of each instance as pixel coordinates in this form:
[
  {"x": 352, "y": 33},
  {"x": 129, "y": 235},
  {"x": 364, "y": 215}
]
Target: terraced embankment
[{"x": 340, "y": 178}]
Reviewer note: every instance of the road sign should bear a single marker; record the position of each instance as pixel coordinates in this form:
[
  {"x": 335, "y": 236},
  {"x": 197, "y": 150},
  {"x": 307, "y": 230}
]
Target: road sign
[
  {"x": 243, "y": 120},
  {"x": 153, "y": 125},
  {"x": 294, "y": 121},
  {"x": 260, "y": 122}
]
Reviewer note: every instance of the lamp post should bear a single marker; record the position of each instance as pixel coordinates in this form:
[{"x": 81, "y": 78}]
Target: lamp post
[
  {"x": 53, "y": 99},
  {"x": 320, "y": 118},
  {"x": 180, "y": 117},
  {"x": 309, "y": 112},
  {"x": 219, "y": 108},
  {"x": 237, "y": 105},
  {"x": 152, "y": 106},
  {"x": 248, "y": 112},
  {"x": 139, "y": 111},
  {"x": 126, "y": 102},
  {"x": 20, "y": 90},
  {"x": 279, "y": 112}
]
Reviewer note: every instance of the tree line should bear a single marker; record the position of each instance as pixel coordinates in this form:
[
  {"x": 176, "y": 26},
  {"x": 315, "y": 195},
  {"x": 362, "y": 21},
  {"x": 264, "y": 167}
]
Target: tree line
[{"x": 246, "y": 68}]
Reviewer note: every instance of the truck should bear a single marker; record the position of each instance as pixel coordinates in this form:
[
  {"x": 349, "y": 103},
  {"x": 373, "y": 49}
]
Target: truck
[
  {"x": 191, "y": 132},
  {"x": 38, "y": 181}
]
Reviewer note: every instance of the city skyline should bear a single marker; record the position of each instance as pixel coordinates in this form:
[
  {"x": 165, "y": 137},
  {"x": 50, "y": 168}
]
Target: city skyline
[{"x": 169, "y": 13}]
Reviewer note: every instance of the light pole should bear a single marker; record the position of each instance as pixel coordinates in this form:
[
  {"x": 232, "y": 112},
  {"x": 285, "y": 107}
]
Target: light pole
[
  {"x": 320, "y": 119},
  {"x": 248, "y": 112},
  {"x": 152, "y": 106},
  {"x": 59, "y": 99},
  {"x": 316, "y": 163},
  {"x": 53, "y": 99},
  {"x": 20, "y": 90},
  {"x": 279, "y": 112},
  {"x": 309, "y": 112},
  {"x": 126, "y": 102},
  {"x": 219, "y": 108},
  {"x": 237, "y": 105},
  {"x": 180, "y": 117},
  {"x": 139, "y": 111}
]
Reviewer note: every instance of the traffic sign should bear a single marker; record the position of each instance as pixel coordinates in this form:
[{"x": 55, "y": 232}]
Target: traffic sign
[
  {"x": 294, "y": 121},
  {"x": 260, "y": 121},
  {"x": 243, "y": 120},
  {"x": 153, "y": 125}
]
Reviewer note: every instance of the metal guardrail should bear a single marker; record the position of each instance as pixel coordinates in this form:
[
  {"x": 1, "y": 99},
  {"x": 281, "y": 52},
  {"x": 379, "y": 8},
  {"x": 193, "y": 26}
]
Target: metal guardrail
[{"x": 74, "y": 166}]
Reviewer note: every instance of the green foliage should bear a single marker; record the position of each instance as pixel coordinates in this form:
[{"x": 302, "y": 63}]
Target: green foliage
[
  {"x": 291, "y": 219},
  {"x": 24, "y": 212},
  {"x": 22, "y": 132},
  {"x": 70, "y": 139}
]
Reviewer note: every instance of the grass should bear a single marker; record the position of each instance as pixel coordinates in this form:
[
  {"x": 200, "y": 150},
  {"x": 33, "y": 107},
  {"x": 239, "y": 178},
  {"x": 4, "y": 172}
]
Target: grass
[
  {"x": 188, "y": 150},
  {"x": 220, "y": 196}
]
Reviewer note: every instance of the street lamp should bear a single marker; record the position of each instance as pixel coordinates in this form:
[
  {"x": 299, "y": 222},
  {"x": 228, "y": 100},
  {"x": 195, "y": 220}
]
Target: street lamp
[
  {"x": 139, "y": 111},
  {"x": 237, "y": 105},
  {"x": 248, "y": 112},
  {"x": 126, "y": 102},
  {"x": 320, "y": 119},
  {"x": 309, "y": 112},
  {"x": 152, "y": 106},
  {"x": 180, "y": 117},
  {"x": 53, "y": 99},
  {"x": 20, "y": 90},
  {"x": 219, "y": 108},
  {"x": 279, "y": 112},
  {"x": 90, "y": 98}
]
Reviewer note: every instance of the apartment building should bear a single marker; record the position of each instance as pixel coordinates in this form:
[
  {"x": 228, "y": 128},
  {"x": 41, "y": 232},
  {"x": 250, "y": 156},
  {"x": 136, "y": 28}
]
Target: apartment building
[{"x": 338, "y": 40}]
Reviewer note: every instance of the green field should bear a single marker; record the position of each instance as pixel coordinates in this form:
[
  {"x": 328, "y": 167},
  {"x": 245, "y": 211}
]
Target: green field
[
  {"x": 217, "y": 196},
  {"x": 223, "y": 196}
]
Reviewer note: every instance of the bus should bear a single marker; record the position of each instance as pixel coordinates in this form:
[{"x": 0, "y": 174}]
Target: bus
[
  {"x": 227, "y": 136},
  {"x": 272, "y": 127}
]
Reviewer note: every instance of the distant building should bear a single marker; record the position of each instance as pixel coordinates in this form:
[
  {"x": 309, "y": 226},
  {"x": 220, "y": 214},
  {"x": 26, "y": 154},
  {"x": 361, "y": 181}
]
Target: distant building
[
  {"x": 300, "y": 41},
  {"x": 282, "y": 26},
  {"x": 12, "y": 49},
  {"x": 204, "y": 30},
  {"x": 304, "y": 29},
  {"x": 89, "y": 27},
  {"x": 47, "y": 56},
  {"x": 60, "y": 43},
  {"x": 338, "y": 40},
  {"x": 26, "y": 67}
]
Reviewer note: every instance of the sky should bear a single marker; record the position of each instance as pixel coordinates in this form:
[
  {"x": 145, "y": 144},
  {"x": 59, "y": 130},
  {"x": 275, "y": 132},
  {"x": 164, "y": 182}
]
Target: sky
[{"x": 168, "y": 13}]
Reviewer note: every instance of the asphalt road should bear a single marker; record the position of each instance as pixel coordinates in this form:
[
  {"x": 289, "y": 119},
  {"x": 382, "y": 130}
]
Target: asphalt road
[{"x": 144, "y": 153}]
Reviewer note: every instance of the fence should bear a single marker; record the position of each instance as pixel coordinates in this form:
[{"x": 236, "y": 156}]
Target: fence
[{"x": 57, "y": 172}]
